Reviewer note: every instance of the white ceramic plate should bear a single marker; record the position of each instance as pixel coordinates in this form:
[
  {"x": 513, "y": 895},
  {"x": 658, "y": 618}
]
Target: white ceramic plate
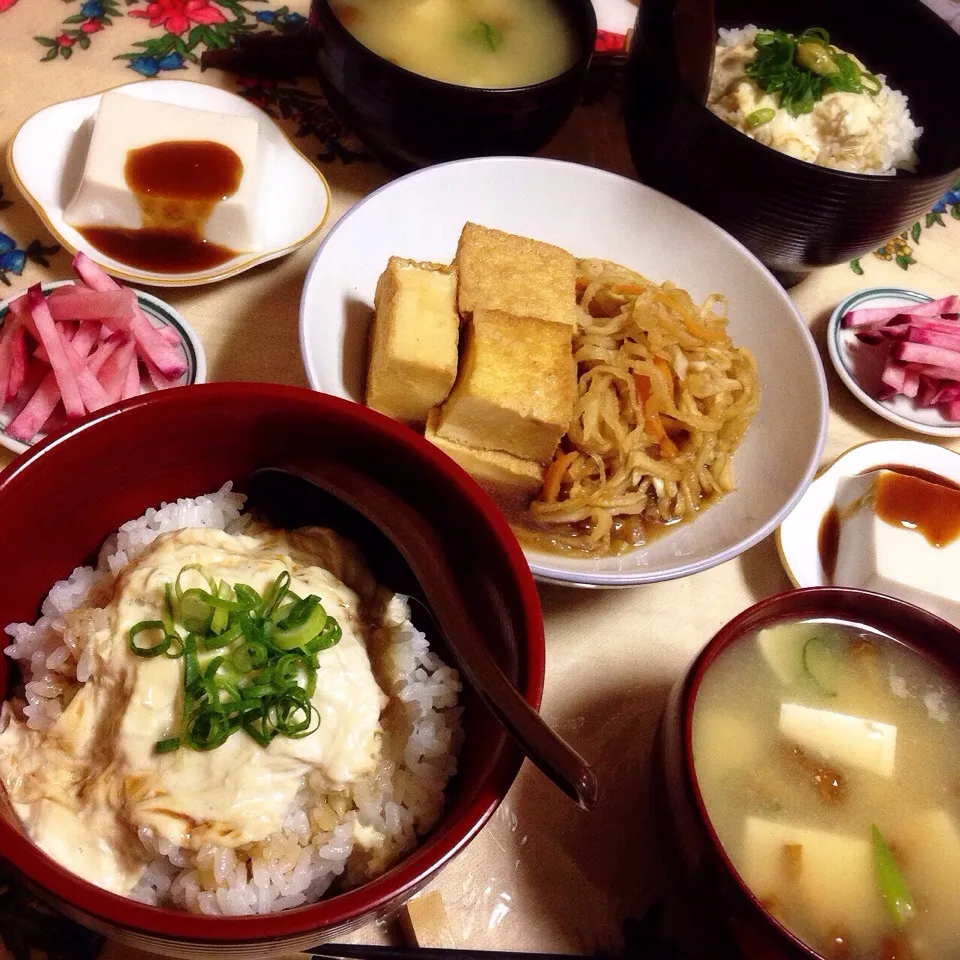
[
  {"x": 47, "y": 153},
  {"x": 160, "y": 314},
  {"x": 860, "y": 365},
  {"x": 597, "y": 214},
  {"x": 797, "y": 538}
]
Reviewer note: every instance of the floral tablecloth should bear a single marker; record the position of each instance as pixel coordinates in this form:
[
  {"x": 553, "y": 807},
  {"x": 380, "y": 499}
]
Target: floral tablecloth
[{"x": 542, "y": 875}]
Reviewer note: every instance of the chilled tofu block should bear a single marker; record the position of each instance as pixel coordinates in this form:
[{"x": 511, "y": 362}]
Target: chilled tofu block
[
  {"x": 516, "y": 386},
  {"x": 502, "y": 473},
  {"x": 501, "y": 271},
  {"x": 930, "y": 846},
  {"x": 413, "y": 341},
  {"x": 839, "y": 738},
  {"x": 896, "y": 558},
  {"x": 832, "y": 875},
  {"x": 124, "y": 123}
]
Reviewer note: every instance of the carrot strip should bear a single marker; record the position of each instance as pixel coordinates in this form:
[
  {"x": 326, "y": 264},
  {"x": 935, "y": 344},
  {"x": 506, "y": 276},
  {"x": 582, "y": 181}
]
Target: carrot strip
[
  {"x": 555, "y": 472},
  {"x": 643, "y": 386},
  {"x": 699, "y": 330},
  {"x": 654, "y": 427},
  {"x": 667, "y": 447}
]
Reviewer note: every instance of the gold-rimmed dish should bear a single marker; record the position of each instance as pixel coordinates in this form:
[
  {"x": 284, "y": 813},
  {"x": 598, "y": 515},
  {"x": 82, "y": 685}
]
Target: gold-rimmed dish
[{"x": 46, "y": 156}]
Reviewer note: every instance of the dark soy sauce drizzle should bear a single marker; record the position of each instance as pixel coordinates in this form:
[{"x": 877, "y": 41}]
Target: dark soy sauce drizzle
[
  {"x": 900, "y": 502},
  {"x": 177, "y": 184}
]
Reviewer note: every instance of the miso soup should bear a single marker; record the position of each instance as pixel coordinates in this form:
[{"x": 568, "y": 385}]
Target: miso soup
[
  {"x": 828, "y": 759},
  {"x": 473, "y": 43}
]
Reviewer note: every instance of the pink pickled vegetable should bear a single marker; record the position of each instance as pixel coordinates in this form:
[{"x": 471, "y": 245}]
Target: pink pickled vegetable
[
  {"x": 151, "y": 344},
  {"x": 113, "y": 373},
  {"x": 78, "y": 348},
  {"x": 50, "y": 338},
  {"x": 83, "y": 304},
  {"x": 921, "y": 344},
  {"x": 881, "y": 316},
  {"x": 18, "y": 362},
  {"x": 131, "y": 386}
]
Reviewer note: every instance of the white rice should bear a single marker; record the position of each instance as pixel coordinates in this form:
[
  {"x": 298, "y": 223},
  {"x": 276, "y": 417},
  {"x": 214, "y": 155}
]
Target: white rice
[
  {"x": 349, "y": 837},
  {"x": 897, "y": 143}
]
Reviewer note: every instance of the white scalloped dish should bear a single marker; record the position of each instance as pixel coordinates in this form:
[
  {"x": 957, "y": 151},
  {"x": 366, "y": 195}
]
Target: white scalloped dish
[
  {"x": 798, "y": 535},
  {"x": 47, "y": 153}
]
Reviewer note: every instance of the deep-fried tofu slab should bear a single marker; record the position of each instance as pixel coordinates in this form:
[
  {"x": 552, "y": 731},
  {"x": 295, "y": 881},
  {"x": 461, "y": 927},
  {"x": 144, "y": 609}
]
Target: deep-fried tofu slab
[
  {"x": 413, "y": 341},
  {"x": 516, "y": 386},
  {"x": 501, "y": 271}
]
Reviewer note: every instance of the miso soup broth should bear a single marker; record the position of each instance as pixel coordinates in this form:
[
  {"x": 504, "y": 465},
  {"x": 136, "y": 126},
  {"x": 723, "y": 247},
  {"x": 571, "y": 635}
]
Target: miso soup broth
[
  {"x": 474, "y": 43},
  {"x": 828, "y": 759}
]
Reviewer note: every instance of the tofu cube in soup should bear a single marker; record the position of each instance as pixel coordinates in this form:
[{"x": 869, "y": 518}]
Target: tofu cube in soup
[
  {"x": 516, "y": 386},
  {"x": 830, "y": 873},
  {"x": 500, "y": 271},
  {"x": 413, "y": 341}
]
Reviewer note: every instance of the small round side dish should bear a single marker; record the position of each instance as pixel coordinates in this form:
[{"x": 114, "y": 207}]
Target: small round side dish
[
  {"x": 798, "y": 535},
  {"x": 859, "y": 365},
  {"x": 410, "y": 120},
  {"x": 160, "y": 314},
  {"x": 64, "y": 497}
]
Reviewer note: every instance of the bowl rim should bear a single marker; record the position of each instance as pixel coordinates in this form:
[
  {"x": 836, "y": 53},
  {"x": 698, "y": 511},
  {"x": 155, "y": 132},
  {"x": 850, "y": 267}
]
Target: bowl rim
[
  {"x": 541, "y": 566},
  {"x": 434, "y": 851},
  {"x": 788, "y": 605},
  {"x": 579, "y": 66}
]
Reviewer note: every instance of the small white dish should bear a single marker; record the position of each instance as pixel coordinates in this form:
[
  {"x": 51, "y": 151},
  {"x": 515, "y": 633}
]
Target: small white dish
[
  {"x": 420, "y": 216},
  {"x": 160, "y": 314},
  {"x": 859, "y": 365},
  {"x": 46, "y": 157},
  {"x": 799, "y": 534}
]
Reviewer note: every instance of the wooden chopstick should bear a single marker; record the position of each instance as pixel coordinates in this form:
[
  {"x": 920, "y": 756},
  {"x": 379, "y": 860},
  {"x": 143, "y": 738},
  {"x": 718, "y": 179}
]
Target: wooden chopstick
[{"x": 352, "y": 951}]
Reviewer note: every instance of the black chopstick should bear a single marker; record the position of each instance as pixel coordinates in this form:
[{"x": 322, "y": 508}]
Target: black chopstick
[{"x": 352, "y": 951}]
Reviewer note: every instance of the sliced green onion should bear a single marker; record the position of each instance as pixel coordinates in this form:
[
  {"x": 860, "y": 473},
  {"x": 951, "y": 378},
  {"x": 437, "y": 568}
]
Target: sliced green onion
[
  {"x": 152, "y": 650},
  {"x": 328, "y": 637},
  {"x": 167, "y": 746},
  {"x": 274, "y": 596},
  {"x": 195, "y": 613},
  {"x": 871, "y": 83},
  {"x": 761, "y": 116},
  {"x": 216, "y": 641},
  {"x": 300, "y": 625},
  {"x": 896, "y": 896}
]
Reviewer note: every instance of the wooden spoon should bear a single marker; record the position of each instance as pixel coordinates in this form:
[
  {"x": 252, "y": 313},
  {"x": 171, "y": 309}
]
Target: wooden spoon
[{"x": 424, "y": 553}]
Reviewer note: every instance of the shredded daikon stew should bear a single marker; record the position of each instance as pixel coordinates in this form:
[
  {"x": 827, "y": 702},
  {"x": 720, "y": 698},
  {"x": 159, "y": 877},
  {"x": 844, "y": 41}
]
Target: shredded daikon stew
[{"x": 664, "y": 398}]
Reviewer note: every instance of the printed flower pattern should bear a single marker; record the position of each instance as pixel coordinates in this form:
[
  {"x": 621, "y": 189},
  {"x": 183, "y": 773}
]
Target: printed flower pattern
[
  {"x": 14, "y": 258},
  {"x": 177, "y": 15},
  {"x": 898, "y": 249}
]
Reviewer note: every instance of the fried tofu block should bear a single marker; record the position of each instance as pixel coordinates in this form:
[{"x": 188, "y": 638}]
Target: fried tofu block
[
  {"x": 501, "y": 271},
  {"x": 413, "y": 340},
  {"x": 503, "y": 474},
  {"x": 516, "y": 386}
]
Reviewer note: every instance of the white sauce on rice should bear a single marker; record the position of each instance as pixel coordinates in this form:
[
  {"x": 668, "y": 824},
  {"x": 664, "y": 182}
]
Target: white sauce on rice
[
  {"x": 239, "y": 829},
  {"x": 855, "y": 132}
]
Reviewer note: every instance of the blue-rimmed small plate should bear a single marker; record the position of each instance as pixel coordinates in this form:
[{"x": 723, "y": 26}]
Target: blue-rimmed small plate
[
  {"x": 860, "y": 365},
  {"x": 160, "y": 314}
]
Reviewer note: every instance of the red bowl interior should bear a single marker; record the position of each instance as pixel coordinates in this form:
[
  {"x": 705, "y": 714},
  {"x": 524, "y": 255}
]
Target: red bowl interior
[
  {"x": 933, "y": 638},
  {"x": 59, "y": 502}
]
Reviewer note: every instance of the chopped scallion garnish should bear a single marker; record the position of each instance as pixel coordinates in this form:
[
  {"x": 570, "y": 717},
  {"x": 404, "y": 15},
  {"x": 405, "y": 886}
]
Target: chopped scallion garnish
[{"x": 263, "y": 673}]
